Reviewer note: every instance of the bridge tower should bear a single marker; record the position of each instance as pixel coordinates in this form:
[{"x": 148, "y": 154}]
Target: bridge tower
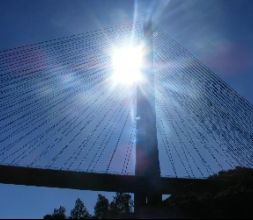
[{"x": 147, "y": 161}]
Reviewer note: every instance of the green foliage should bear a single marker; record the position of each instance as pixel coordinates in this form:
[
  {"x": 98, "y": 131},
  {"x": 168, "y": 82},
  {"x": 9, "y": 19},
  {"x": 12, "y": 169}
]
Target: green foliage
[
  {"x": 121, "y": 205},
  {"x": 101, "y": 208},
  {"x": 79, "y": 211},
  {"x": 57, "y": 214},
  {"x": 232, "y": 199}
]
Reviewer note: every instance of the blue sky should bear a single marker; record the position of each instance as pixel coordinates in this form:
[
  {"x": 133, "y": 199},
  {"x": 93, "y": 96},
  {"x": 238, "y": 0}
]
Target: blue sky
[
  {"x": 218, "y": 32},
  {"x": 35, "y": 202}
]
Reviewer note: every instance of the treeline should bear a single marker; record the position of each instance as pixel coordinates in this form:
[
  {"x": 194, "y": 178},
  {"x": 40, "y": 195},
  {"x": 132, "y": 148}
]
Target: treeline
[
  {"x": 232, "y": 197},
  {"x": 120, "y": 207}
]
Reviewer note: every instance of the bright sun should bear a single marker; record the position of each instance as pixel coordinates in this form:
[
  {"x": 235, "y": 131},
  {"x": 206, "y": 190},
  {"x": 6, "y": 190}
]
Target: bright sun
[{"x": 127, "y": 63}]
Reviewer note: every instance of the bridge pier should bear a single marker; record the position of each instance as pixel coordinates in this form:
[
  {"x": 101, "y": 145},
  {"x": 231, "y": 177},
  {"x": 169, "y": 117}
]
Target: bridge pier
[
  {"x": 147, "y": 159},
  {"x": 146, "y": 204}
]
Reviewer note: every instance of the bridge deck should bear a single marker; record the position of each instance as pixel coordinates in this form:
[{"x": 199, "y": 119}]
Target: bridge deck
[{"x": 99, "y": 182}]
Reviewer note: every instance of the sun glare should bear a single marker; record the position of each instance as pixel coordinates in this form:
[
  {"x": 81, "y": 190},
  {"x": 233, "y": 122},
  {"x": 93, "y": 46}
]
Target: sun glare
[{"x": 127, "y": 63}]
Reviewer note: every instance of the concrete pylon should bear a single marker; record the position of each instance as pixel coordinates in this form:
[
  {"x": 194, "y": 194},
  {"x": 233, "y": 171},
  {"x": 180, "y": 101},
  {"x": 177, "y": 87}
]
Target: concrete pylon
[{"x": 147, "y": 161}]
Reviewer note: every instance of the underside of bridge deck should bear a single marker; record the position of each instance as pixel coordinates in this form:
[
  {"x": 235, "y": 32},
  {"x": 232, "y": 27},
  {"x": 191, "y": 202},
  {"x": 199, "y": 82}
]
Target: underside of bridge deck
[{"x": 100, "y": 182}]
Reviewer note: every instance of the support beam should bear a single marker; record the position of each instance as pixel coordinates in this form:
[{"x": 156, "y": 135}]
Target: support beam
[{"x": 101, "y": 182}]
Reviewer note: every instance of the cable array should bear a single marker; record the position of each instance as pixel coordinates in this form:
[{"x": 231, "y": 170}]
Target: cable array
[
  {"x": 206, "y": 128},
  {"x": 57, "y": 109}
]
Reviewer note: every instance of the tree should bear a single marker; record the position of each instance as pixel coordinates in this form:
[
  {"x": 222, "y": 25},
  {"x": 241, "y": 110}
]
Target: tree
[
  {"x": 57, "y": 214},
  {"x": 232, "y": 197},
  {"x": 101, "y": 208},
  {"x": 121, "y": 205},
  {"x": 79, "y": 211}
]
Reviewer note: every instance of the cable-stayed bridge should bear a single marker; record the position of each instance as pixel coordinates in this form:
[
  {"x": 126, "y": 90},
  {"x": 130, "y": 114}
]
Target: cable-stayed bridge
[{"x": 62, "y": 123}]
